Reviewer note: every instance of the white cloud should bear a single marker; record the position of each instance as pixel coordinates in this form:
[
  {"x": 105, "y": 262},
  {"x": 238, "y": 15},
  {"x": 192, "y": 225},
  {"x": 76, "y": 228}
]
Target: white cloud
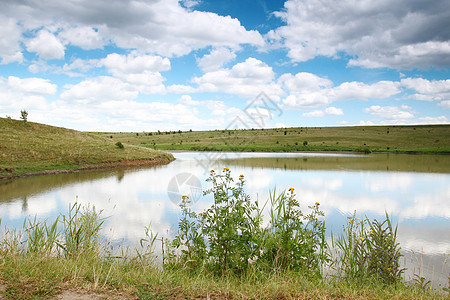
[
  {"x": 433, "y": 120},
  {"x": 401, "y": 34},
  {"x": 215, "y": 59},
  {"x": 84, "y": 37},
  {"x": 99, "y": 89},
  {"x": 10, "y": 37},
  {"x": 246, "y": 79},
  {"x": 328, "y": 111},
  {"x": 46, "y": 45},
  {"x": 392, "y": 113},
  {"x": 304, "y": 82},
  {"x": 314, "y": 114},
  {"x": 36, "y": 86},
  {"x": 187, "y": 100},
  {"x": 190, "y": 3},
  {"x": 426, "y": 90},
  {"x": 307, "y": 90},
  {"x": 139, "y": 70},
  {"x": 445, "y": 104},
  {"x": 163, "y": 27},
  {"x": 134, "y": 63},
  {"x": 217, "y": 108},
  {"x": 360, "y": 90},
  {"x": 28, "y": 93},
  {"x": 334, "y": 111}
]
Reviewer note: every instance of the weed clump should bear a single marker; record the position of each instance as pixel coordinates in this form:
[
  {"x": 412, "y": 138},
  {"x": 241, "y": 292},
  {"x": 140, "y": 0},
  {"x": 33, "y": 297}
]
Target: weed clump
[
  {"x": 119, "y": 145},
  {"x": 229, "y": 236},
  {"x": 369, "y": 250}
]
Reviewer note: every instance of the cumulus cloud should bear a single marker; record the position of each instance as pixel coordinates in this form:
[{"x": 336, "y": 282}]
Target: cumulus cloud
[
  {"x": 307, "y": 90},
  {"x": 134, "y": 63},
  {"x": 217, "y": 108},
  {"x": 391, "y": 113},
  {"x": 434, "y": 90},
  {"x": 46, "y": 45},
  {"x": 84, "y": 37},
  {"x": 37, "y": 86},
  {"x": 99, "y": 89},
  {"x": 245, "y": 79},
  {"x": 215, "y": 59},
  {"x": 396, "y": 34},
  {"x": 328, "y": 111},
  {"x": 10, "y": 37},
  {"x": 24, "y": 93},
  {"x": 143, "y": 71},
  {"x": 163, "y": 27}
]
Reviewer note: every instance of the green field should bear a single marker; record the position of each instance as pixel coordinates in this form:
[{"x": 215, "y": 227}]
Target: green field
[
  {"x": 401, "y": 139},
  {"x": 32, "y": 148}
]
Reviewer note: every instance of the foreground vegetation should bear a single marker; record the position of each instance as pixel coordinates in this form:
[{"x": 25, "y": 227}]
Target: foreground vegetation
[
  {"x": 223, "y": 252},
  {"x": 399, "y": 139},
  {"x": 30, "y": 148}
]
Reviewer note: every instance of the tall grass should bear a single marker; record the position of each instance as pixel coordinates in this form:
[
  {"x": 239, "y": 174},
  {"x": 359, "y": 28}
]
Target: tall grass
[{"x": 368, "y": 250}]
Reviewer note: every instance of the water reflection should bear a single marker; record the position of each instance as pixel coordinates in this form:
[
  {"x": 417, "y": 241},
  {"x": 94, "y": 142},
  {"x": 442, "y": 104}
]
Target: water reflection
[{"x": 415, "y": 192}]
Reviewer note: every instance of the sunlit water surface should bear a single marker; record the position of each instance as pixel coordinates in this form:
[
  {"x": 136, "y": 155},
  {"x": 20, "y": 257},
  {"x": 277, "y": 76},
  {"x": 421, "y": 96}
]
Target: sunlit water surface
[{"x": 413, "y": 189}]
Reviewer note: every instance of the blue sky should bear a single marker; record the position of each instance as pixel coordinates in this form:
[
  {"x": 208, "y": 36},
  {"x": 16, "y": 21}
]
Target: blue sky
[{"x": 147, "y": 65}]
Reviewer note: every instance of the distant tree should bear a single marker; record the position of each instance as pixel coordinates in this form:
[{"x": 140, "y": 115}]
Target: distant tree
[{"x": 24, "y": 115}]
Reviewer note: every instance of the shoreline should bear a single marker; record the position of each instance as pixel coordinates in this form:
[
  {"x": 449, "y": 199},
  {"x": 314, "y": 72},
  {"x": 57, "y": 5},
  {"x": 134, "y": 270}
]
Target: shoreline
[{"x": 124, "y": 163}]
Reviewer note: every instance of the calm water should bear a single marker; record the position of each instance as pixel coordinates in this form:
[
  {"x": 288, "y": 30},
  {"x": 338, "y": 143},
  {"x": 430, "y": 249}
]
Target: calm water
[{"x": 413, "y": 189}]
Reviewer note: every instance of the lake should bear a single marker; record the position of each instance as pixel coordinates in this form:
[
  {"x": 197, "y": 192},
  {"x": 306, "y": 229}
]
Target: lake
[{"x": 413, "y": 189}]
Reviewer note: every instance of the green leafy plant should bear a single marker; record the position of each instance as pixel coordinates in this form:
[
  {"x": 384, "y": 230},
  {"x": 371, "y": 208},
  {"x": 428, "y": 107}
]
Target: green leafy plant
[
  {"x": 369, "y": 249},
  {"x": 229, "y": 237},
  {"x": 119, "y": 145},
  {"x": 24, "y": 115},
  {"x": 226, "y": 236},
  {"x": 293, "y": 240}
]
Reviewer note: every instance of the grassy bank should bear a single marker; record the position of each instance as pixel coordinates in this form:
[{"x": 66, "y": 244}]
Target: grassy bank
[
  {"x": 415, "y": 139},
  {"x": 33, "y": 148},
  {"x": 210, "y": 258}
]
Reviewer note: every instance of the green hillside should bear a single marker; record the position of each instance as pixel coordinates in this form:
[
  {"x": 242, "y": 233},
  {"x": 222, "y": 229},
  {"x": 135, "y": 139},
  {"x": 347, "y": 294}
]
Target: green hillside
[
  {"x": 416, "y": 139},
  {"x": 29, "y": 148}
]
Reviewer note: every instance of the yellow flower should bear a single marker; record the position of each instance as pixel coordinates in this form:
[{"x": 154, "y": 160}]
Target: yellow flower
[
  {"x": 291, "y": 190},
  {"x": 361, "y": 238},
  {"x": 389, "y": 269},
  {"x": 351, "y": 221},
  {"x": 317, "y": 203},
  {"x": 185, "y": 197},
  {"x": 293, "y": 200},
  {"x": 226, "y": 169},
  {"x": 241, "y": 176},
  {"x": 201, "y": 214},
  {"x": 212, "y": 171}
]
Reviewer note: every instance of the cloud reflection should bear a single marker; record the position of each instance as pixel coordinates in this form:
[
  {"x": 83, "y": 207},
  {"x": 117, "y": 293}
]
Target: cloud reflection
[{"x": 135, "y": 198}]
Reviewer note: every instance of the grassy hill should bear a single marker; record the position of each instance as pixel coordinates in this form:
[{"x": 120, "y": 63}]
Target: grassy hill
[
  {"x": 36, "y": 148},
  {"x": 419, "y": 138}
]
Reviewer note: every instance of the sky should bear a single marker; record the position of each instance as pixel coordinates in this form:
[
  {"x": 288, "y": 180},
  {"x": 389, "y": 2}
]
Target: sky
[{"x": 148, "y": 65}]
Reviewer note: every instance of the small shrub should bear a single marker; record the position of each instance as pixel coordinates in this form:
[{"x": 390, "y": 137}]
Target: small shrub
[
  {"x": 119, "y": 145},
  {"x": 229, "y": 237},
  {"x": 305, "y": 143},
  {"x": 24, "y": 115}
]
